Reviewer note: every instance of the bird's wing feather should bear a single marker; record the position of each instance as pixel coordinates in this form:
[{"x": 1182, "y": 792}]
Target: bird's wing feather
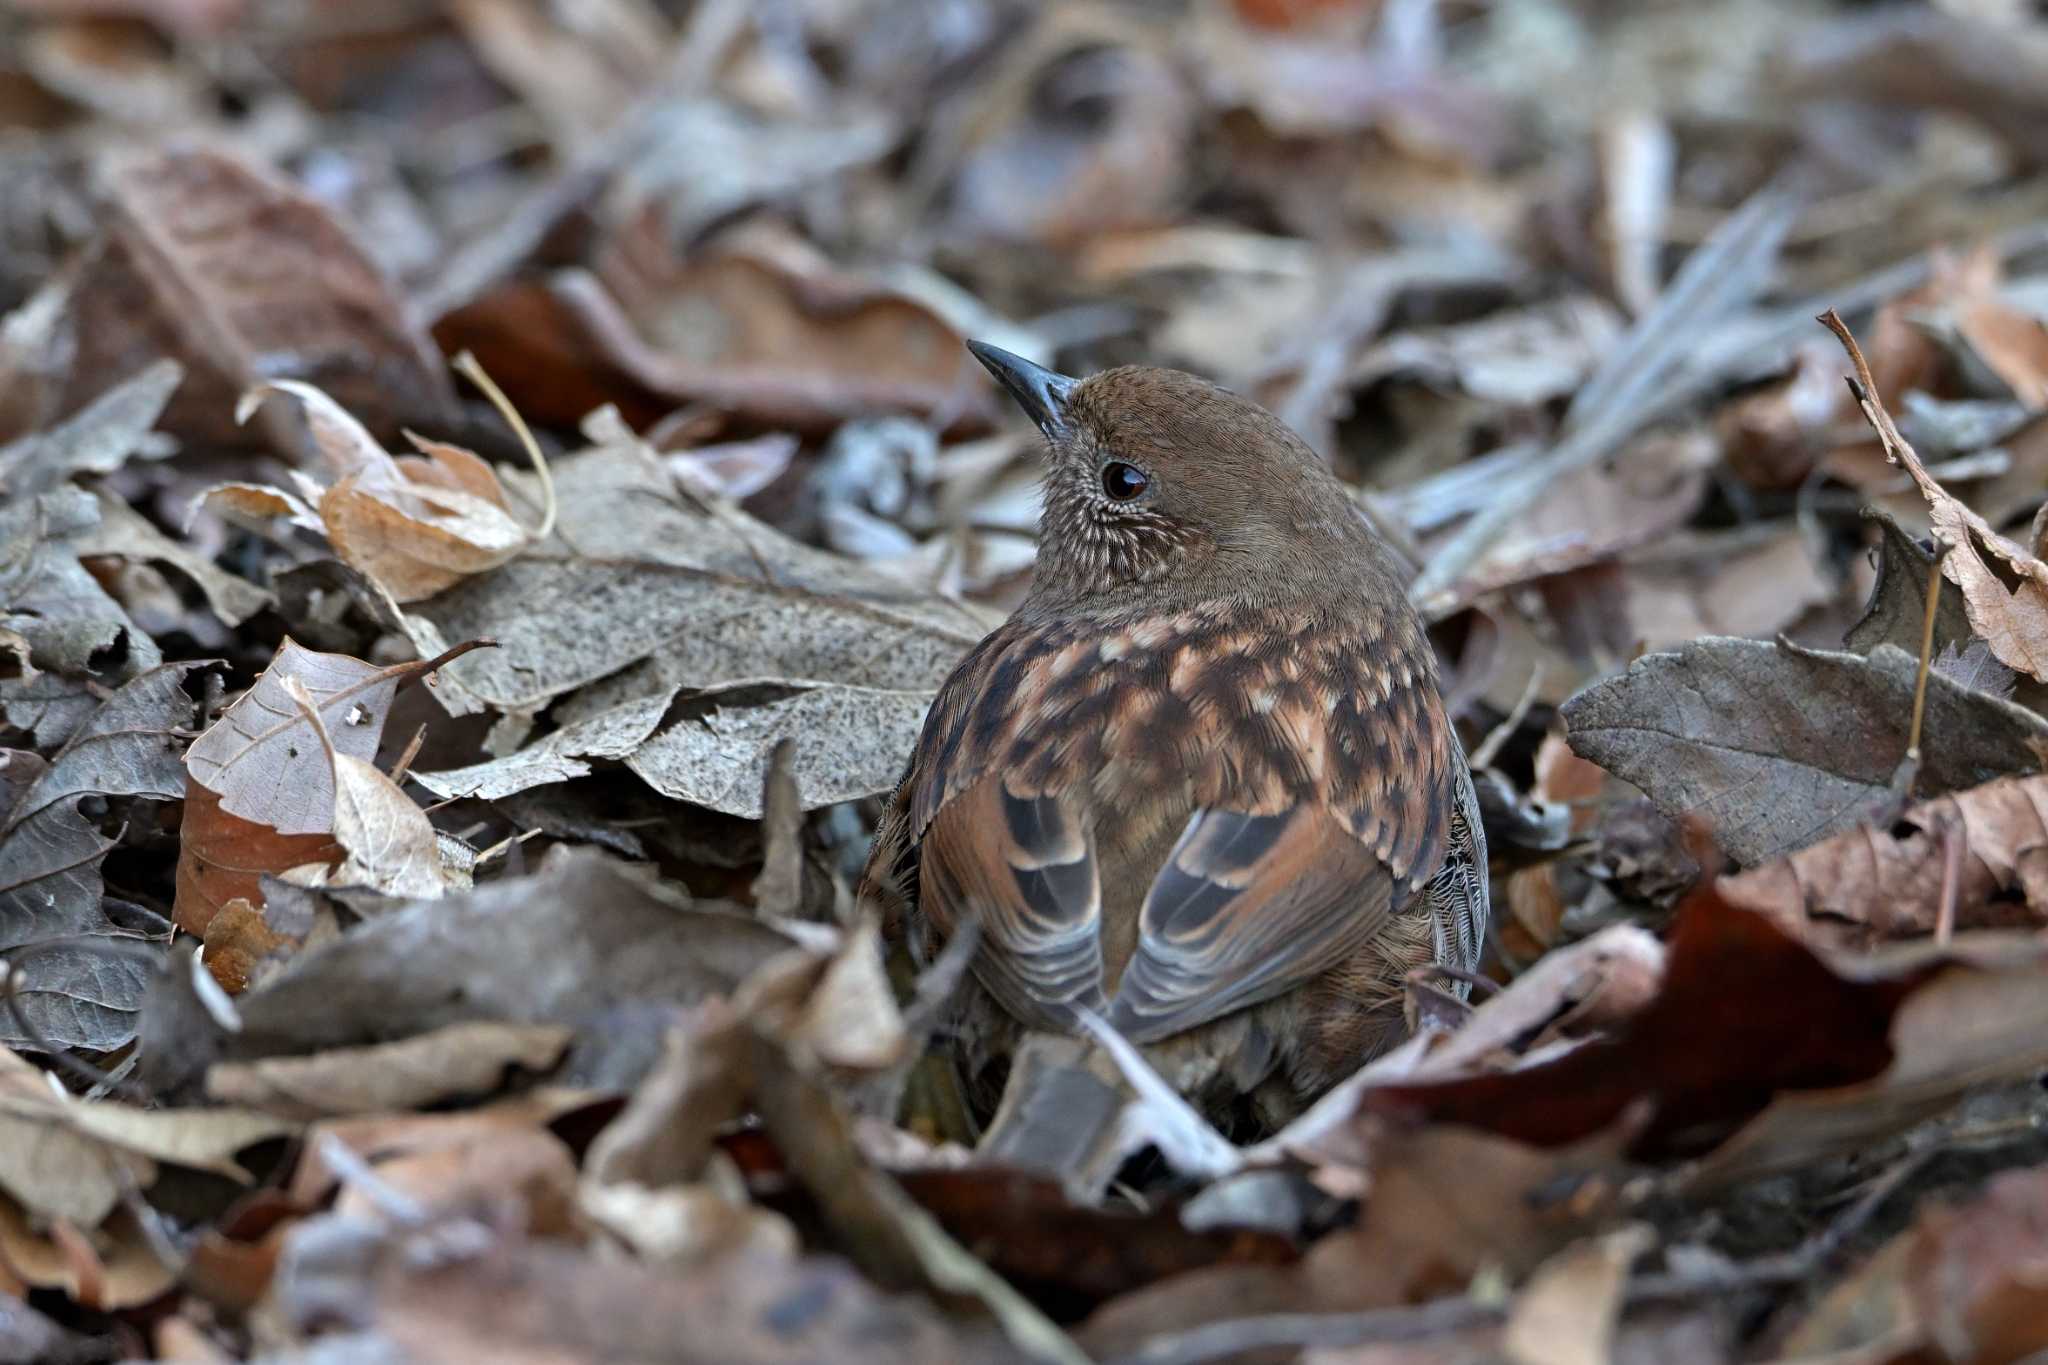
[
  {"x": 1246, "y": 908},
  {"x": 1024, "y": 866}
]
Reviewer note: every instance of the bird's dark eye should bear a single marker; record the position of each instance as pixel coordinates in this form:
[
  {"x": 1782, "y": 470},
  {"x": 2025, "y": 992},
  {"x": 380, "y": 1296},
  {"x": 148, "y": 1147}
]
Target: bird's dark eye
[{"x": 1123, "y": 481}]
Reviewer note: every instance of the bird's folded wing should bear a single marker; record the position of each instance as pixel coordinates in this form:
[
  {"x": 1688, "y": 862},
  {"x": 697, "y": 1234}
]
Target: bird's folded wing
[
  {"x": 1025, "y": 867},
  {"x": 1246, "y": 908}
]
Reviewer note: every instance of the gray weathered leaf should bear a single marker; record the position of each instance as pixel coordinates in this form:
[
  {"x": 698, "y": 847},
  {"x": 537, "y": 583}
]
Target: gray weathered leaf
[
  {"x": 636, "y": 570},
  {"x": 98, "y": 439},
  {"x": 580, "y": 936},
  {"x": 48, "y": 598},
  {"x": 612, "y": 733},
  {"x": 126, "y": 534},
  {"x": 1778, "y": 746},
  {"x": 50, "y": 857},
  {"x": 854, "y": 743},
  {"x": 1897, "y": 611}
]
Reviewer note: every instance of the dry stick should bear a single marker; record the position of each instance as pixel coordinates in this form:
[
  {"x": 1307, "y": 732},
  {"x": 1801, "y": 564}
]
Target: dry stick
[
  {"x": 1496, "y": 738},
  {"x": 1636, "y": 383},
  {"x": 1864, "y": 389}
]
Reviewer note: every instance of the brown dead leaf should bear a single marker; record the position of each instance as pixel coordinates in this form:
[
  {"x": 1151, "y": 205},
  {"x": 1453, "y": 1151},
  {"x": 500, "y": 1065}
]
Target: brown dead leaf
[
  {"x": 414, "y": 525},
  {"x": 1976, "y": 1017},
  {"x": 1965, "y": 1282},
  {"x": 238, "y": 942},
  {"x": 390, "y": 844},
  {"x": 223, "y": 859},
  {"x": 525, "y": 1167},
  {"x": 460, "y": 1061},
  {"x": 1566, "y": 1314},
  {"x": 759, "y": 326},
  {"x": 109, "y": 1268},
  {"x": 1871, "y": 884},
  {"x": 2014, "y": 622},
  {"x": 245, "y": 280}
]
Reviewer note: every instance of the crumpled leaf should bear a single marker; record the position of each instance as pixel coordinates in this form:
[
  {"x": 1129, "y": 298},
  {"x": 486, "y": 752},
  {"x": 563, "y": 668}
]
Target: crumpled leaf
[
  {"x": 1867, "y": 885},
  {"x": 413, "y": 525},
  {"x": 391, "y": 845},
  {"x": 1778, "y": 747},
  {"x": 50, "y": 856}
]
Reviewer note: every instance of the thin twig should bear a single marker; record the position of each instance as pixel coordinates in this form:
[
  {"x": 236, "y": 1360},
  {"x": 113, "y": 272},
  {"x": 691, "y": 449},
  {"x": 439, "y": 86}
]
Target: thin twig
[
  {"x": 1496, "y": 738},
  {"x": 467, "y": 366},
  {"x": 1941, "y": 550},
  {"x": 1863, "y": 387}
]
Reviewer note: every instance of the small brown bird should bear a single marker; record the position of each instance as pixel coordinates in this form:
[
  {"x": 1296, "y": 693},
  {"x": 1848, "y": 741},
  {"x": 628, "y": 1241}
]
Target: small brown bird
[{"x": 1201, "y": 782}]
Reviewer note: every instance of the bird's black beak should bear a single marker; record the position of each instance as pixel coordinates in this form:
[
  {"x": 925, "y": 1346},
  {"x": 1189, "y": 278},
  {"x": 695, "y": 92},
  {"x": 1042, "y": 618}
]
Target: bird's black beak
[{"x": 1042, "y": 393}]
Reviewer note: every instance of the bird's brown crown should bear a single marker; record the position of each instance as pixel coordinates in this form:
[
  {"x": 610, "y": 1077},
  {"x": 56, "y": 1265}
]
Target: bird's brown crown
[{"x": 1160, "y": 486}]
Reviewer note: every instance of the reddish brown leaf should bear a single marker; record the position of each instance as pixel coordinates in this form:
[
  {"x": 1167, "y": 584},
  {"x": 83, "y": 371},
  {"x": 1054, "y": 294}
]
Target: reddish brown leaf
[
  {"x": 1868, "y": 885},
  {"x": 243, "y": 280}
]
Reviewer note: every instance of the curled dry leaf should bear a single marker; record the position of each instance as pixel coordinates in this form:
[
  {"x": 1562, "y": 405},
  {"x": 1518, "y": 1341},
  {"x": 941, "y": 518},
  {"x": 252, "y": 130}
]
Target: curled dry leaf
[
  {"x": 2014, "y": 622},
  {"x": 1870, "y": 884},
  {"x": 390, "y": 843},
  {"x": 413, "y": 525}
]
